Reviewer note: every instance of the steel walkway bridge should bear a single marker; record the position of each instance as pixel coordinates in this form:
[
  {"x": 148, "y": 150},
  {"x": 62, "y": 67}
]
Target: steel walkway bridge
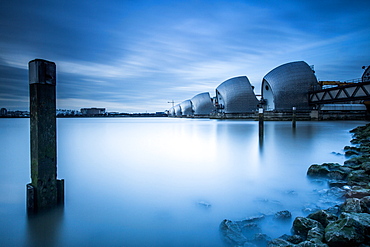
[{"x": 347, "y": 93}]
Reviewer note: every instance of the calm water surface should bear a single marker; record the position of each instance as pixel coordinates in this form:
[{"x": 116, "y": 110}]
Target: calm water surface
[{"x": 164, "y": 182}]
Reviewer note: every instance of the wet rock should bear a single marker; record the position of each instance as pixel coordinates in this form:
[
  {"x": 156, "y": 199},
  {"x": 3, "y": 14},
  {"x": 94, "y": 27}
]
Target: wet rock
[
  {"x": 311, "y": 244},
  {"x": 278, "y": 242},
  {"x": 359, "y": 193},
  {"x": 338, "y": 174},
  {"x": 334, "y": 210},
  {"x": 254, "y": 218},
  {"x": 316, "y": 170},
  {"x": 366, "y": 167},
  {"x": 365, "y": 204},
  {"x": 352, "y": 205},
  {"x": 238, "y": 233},
  {"x": 329, "y": 170},
  {"x": 310, "y": 208},
  {"x": 283, "y": 215},
  {"x": 358, "y": 177},
  {"x": 337, "y": 183},
  {"x": 302, "y": 225},
  {"x": 249, "y": 244},
  {"x": 349, "y": 153},
  {"x": 323, "y": 217},
  {"x": 232, "y": 233},
  {"x": 351, "y": 229},
  {"x": 294, "y": 239},
  {"x": 204, "y": 204},
  {"x": 330, "y": 196},
  {"x": 260, "y": 239},
  {"x": 358, "y": 160},
  {"x": 316, "y": 234},
  {"x": 346, "y": 148},
  {"x": 351, "y": 165},
  {"x": 336, "y": 153}
]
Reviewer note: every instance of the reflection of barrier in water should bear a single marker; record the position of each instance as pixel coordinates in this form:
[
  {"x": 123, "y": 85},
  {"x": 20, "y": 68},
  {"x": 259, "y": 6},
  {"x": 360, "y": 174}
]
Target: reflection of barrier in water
[{"x": 45, "y": 190}]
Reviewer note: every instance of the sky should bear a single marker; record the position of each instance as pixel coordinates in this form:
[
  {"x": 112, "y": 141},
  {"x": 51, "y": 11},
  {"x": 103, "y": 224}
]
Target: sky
[{"x": 138, "y": 55}]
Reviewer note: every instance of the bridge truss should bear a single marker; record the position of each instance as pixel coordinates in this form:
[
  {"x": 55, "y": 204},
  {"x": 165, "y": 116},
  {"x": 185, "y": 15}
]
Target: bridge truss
[{"x": 347, "y": 93}]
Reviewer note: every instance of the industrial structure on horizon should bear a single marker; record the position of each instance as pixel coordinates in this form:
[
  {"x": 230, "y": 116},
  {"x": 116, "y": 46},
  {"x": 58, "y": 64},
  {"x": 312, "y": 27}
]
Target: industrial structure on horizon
[{"x": 289, "y": 86}]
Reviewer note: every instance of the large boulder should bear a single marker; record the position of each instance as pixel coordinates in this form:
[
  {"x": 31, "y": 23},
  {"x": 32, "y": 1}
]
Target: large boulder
[
  {"x": 358, "y": 177},
  {"x": 352, "y": 205},
  {"x": 351, "y": 229},
  {"x": 316, "y": 234},
  {"x": 358, "y": 160},
  {"x": 329, "y": 170},
  {"x": 242, "y": 232},
  {"x": 358, "y": 193},
  {"x": 316, "y": 170},
  {"x": 366, "y": 167},
  {"x": 311, "y": 244},
  {"x": 232, "y": 233},
  {"x": 365, "y": 204},
  {"x": 302, "y": 226},
  {"x": 323, "y": 217},
  {"x": 283, "y": 215},
  {"x": 294, "y": 239},
  {"x": 260, "y": 239},
  {"x": 278, "y": 242}
]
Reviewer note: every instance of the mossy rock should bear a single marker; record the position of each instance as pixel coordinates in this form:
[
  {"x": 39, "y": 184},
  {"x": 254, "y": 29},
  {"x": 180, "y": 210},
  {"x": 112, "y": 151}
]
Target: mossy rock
[
  {"x": 316, "y": 170},
  {"x": 351, "y": 229},
  {"x": 302, "y": 225},
  {"x": 323, "y": 217},
  {"x": 358, "y": 160},
  {"x": 358, "y": 177}
]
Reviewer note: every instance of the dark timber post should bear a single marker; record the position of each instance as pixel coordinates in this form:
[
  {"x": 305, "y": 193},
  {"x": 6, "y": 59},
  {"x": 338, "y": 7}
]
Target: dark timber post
[
  {"x": 44, "y": 191},
  {"x": 260, "y": 123},
  {"x": 294, "y": 118}
]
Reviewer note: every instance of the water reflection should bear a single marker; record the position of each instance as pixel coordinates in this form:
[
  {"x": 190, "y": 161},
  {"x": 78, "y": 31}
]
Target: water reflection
[
  {"x": 164, "y": 182},
  {"x": 44, "y": 229}
]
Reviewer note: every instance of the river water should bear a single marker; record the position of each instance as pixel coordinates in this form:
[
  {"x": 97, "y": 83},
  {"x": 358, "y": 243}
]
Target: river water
[{"x": 165, "y": 181}]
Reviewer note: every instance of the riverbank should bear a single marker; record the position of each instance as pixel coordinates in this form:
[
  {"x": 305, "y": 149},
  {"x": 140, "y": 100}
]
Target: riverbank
[{"x": 346, "y": 224}]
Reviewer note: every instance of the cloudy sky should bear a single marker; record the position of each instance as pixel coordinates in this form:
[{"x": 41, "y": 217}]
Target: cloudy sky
[{"x": 137, "y": 55}]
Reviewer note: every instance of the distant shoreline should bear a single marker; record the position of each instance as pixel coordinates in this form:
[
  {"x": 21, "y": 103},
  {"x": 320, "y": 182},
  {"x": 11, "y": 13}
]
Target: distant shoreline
[{"x": 97, "y": 116}]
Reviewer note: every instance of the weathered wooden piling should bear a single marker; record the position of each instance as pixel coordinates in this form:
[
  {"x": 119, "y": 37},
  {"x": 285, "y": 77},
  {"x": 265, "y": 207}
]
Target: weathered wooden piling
[
  {"x": 294, "y": 118},
  {"x": 45, "y": 190},
  {"x": 260, "y": 123}
]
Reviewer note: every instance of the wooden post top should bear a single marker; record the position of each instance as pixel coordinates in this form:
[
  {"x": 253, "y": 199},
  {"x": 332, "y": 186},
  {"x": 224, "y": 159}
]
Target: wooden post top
[{"x": 42, "y": 72}]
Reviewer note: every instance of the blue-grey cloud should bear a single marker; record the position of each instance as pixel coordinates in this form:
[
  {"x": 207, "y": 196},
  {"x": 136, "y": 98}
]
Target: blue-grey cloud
[{"x": 135, "y": 56}]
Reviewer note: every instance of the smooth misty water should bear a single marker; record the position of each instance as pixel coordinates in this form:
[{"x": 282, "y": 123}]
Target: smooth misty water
[{"x": 148, "y": 182}]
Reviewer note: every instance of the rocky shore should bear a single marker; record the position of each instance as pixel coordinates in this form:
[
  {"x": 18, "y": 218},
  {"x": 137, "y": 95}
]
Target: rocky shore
[{"x": 346, "y": 224}]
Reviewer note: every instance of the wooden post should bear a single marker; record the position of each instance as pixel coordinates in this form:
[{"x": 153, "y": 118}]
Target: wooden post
[
  {"x": 44, "y": 191},
  {"x": 260, "y": 123},
  {"x": 294, "y": 118}
]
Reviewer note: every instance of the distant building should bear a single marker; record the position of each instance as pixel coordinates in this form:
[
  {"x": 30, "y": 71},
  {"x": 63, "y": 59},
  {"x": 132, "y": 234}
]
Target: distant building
[
  {"x": 3, "y": 112},
  {"x": 236, "y": 95},
  {"x": 287, "y": 86},
  {"x": 202, "y": 104},
  {"x": 92, "y": 111}
]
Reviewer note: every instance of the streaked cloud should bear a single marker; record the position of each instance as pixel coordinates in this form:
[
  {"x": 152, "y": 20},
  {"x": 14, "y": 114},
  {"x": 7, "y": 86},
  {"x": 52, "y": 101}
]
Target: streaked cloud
[{"x": 133, "y": 56}]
